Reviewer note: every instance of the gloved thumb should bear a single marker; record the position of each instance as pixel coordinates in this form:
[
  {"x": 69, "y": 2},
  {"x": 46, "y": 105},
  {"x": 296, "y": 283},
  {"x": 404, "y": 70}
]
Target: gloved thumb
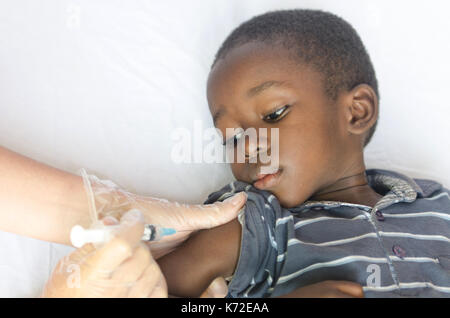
[
  {"x": 212, "y": 215},
  {"x": 126, "y": 237}
]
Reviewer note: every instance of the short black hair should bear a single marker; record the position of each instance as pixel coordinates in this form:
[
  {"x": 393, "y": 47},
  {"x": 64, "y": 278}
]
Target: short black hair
[{"x": 321, "y": 39}]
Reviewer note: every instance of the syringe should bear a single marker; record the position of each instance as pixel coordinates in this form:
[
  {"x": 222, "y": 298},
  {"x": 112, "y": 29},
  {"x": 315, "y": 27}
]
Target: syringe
[{"x": 80, "y": 236}]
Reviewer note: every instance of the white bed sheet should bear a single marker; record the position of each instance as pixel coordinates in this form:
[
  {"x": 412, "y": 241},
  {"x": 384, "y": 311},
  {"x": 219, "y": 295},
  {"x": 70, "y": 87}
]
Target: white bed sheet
[{"x": 102, "y": 84}]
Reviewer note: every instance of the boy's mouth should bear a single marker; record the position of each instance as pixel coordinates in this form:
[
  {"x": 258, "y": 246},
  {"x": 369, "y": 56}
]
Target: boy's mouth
[{"x": 265, "y": 181}]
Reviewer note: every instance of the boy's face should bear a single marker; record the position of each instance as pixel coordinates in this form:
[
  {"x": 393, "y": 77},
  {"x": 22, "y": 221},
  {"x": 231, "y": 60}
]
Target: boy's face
[{"x": 314, "y": 147}]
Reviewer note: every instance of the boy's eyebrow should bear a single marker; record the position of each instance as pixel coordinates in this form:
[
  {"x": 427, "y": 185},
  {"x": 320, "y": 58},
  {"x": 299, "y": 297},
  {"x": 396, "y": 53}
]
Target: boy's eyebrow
[
  {"x": 261, "y": 87},
  {"x": 250, "y": 93}
]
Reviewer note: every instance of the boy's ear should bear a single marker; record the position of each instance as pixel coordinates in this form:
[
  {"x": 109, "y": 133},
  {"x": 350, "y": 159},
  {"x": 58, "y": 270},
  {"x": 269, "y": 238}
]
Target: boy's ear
[{"x": 361, "y": 109}]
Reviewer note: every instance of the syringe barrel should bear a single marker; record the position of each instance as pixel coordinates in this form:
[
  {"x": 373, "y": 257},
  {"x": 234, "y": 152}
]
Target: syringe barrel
[{"x": 80, "y": 236}]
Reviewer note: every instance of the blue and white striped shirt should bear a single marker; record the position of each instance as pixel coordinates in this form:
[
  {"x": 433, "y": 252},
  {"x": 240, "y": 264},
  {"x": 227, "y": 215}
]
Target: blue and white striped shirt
[{"x": 398, "y": 248}]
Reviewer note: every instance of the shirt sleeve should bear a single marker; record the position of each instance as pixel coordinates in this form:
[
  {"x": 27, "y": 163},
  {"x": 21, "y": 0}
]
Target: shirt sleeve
[{"x": 263, "y": 241}]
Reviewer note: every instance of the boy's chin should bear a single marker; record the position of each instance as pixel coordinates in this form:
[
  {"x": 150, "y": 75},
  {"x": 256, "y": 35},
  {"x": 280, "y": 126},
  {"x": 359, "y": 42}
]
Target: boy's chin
[
  {"x": 287, "y": 204},
  {"x": 288, "y": 201}
]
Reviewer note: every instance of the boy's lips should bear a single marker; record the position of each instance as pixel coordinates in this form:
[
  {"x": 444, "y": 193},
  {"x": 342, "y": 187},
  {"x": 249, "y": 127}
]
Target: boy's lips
[{"x": 265, "y": 181}]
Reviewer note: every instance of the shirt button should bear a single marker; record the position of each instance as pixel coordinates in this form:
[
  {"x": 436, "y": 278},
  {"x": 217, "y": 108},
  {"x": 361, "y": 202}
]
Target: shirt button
[
  {"x": 398, "y": 251},
  {"x": 380, "y": 216}
]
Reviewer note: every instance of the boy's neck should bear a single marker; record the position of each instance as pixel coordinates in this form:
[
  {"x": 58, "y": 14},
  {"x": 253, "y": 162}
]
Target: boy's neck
[{"x": 351, "y": 189}]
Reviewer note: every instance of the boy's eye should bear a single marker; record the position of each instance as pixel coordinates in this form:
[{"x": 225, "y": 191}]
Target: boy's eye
[{"x": 276, "y": 115}]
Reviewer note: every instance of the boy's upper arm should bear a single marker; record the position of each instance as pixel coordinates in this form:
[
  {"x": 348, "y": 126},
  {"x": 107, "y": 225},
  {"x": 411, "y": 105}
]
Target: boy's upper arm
[{"x": 206, "y": 255}]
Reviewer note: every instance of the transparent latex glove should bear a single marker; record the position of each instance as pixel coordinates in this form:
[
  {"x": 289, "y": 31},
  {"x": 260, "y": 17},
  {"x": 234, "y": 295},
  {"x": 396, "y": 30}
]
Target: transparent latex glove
[
  {"x": 217, "y": 289},
  {"x": 108, "y": 199},
  {"x": 122, "y": 267}
]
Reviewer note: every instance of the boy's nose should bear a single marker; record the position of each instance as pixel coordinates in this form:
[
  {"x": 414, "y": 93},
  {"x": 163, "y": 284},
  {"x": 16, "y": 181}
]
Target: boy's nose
[{"x": 254, "y": 147}]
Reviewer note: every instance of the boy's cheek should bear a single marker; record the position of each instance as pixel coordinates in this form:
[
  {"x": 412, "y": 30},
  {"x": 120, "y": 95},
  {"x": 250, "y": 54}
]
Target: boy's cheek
[{"x": 238, "y": 170}]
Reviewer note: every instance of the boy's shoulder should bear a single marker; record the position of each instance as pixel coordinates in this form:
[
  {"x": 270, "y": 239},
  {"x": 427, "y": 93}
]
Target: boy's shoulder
[{"x": 425, "y": 188}]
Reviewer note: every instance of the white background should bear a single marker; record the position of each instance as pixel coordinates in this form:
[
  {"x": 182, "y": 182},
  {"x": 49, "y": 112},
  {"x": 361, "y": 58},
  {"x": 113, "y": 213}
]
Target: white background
[{"x": 102, "y": 85}]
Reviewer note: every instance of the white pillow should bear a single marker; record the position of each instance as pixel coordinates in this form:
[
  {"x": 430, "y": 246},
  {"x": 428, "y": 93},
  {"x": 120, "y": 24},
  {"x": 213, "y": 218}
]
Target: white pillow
[{"x": 102, "y": 85}]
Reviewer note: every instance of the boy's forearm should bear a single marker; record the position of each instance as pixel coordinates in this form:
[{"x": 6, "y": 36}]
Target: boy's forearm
[{"x": 39, "y": 201}]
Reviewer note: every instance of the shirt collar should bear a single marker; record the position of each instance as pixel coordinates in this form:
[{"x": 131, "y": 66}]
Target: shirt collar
[{"x": 395, "y": 187}]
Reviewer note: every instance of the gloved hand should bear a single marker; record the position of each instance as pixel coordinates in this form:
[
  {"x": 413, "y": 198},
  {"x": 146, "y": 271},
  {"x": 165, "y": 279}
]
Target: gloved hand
[
  {"x": 108, "y": 199},
  {"x": 123, "y": 267}
]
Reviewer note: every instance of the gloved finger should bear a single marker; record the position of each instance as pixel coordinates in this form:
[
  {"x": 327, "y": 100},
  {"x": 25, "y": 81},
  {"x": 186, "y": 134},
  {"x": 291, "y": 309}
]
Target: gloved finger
[
  {"x": 217, "y": 289},
  {"x": 132, "y": 268},
  {"x": 211, "y": 215},
  {"x": 151, "y": 282},
  {"x": 160, "y": 289},
  {"x": 350, "y": 288},
  {"x": 66, "y": 274},
  {"x": 77, "y": 257},
  {"x": 121, "y": 247},
  {"x": 109, "y": 220}
]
